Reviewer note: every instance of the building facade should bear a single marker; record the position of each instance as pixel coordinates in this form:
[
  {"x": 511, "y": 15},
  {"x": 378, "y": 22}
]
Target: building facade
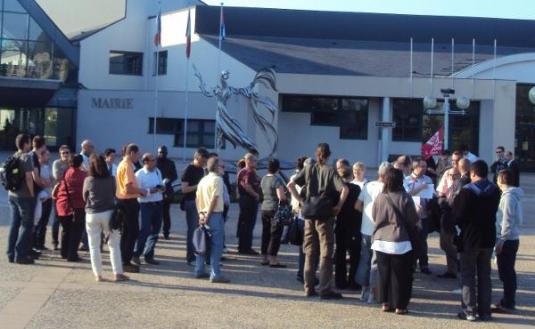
[{"x": 338, "y": 76}]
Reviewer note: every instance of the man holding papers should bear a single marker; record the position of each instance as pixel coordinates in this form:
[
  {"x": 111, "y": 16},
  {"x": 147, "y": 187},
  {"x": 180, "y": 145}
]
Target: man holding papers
[{"x": 421, "y": 188}]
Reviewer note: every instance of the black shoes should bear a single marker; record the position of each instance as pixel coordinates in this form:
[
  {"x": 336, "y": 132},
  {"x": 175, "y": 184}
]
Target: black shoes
[
  {"x": 131, "y": 268},
  {"x": 331, "y": 295},
  {"x": 250, "y": 252},
  {"x": 151, "y": 261},
  {"x": 25, "y": 261},
  {"x": 311, "y": 293},
  {"x": 425, "y": 270}
]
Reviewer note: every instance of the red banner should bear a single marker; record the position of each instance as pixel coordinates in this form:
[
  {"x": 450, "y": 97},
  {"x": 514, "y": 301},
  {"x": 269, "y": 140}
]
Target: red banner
[{"x": 434, "y": 145}]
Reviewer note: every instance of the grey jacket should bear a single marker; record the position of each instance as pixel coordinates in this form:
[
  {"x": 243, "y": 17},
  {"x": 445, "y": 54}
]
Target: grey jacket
[
  {"x": 388, "y": 225},
  {"x": 509, "y": 216}
]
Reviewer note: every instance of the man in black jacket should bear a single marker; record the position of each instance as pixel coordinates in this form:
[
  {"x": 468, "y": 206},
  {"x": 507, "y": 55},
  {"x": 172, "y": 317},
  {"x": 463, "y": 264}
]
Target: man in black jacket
[
  {"x": 475, "y": 212},
  {"x": 513, "y": 167},
  {"x": 168, "y": 169}
]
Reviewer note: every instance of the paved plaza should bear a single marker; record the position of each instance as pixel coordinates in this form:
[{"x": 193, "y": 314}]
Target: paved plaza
[{"x": 57, "y": 294}]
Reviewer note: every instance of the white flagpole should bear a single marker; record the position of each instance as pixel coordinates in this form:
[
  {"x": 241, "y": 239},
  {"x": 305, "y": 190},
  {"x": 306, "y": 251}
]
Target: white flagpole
[
  {"x": 432, "y": 63},
  {"x": 452, "y": 62},
  {"x": 156, "y": 60},
  {"x": 411, "y": 68},
  {"x": 473, "y": 64},
  {"x": 216, "y": 144},
  {"x": 186, "y": 112}
]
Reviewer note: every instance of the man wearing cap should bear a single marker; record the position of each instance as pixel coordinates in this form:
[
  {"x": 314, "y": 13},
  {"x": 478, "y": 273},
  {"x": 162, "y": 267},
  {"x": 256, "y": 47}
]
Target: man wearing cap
[{"x": 168, "y": 170}]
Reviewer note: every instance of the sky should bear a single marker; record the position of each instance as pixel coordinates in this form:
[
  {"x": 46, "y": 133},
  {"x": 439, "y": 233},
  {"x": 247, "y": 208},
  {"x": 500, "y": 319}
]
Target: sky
[{"x": 516, "y": 9}]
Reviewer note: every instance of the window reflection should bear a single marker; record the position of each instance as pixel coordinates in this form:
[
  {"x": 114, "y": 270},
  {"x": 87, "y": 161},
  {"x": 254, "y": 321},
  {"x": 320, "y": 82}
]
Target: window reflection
[{"x": 26, "y": 50}]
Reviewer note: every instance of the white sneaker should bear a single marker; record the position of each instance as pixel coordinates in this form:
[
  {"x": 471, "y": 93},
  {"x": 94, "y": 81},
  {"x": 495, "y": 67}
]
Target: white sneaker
[{"x": 365, "y": 294}]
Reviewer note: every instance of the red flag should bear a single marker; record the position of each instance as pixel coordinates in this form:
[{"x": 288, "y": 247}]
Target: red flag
[
  {"x": 158, "y": 35},
  {"x": 434, "y": 145},
  {"x": 188, "y": 36}
]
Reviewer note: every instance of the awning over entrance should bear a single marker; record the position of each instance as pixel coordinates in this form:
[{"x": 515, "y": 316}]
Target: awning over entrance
[{"x": 17, "y": 92}]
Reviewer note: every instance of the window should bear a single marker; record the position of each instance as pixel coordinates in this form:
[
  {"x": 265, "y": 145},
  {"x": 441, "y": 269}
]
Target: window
[
  {"x": 26, "y": 50},
  {"x": 350, "y": 114},
  {"x": 161, "y": 61},
  {"x": 126, "y": 63},
  {"x": 200, "y": 132},
  {"x": 407, "y": 114}
]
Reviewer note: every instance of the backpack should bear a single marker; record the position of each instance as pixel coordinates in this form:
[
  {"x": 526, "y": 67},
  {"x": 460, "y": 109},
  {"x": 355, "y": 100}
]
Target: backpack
[{"x": 11, "y": 174}]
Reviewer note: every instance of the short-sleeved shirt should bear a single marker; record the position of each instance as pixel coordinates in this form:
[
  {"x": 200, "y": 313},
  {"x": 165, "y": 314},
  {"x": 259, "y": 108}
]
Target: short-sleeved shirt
[
  {"x": 367, "y": 197},
  {"x": 192, "y": 175},
  {"x": 147, "y": 180},
  {"x": 269, "y": 185},
  {"x": 125, "y": 176},
  {"x": 210, "y": 185},
  {"x": 323, "y": 179},
  {"x": 26, "y": 165},
  {"x": 247, "y": 176}
]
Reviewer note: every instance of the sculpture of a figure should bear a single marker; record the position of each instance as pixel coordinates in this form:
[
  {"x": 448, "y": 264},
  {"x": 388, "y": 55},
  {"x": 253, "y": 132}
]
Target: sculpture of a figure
[{"x": 229, "y": 128}]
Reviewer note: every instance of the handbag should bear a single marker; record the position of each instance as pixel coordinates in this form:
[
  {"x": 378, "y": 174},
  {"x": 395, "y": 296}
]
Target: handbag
[
  {"x": 117, "y": 217},
  {"x": 283, "y": 215},
  {"x": 201, "y": 240},
  {"x": 296, "y": 232}
]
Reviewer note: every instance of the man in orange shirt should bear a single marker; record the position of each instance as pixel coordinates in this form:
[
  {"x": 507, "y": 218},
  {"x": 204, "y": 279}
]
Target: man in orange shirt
[{"x": 127, "y": 193}]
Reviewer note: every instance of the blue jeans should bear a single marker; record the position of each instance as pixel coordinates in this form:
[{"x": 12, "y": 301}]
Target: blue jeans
[
  {"x": 151, "y": 223},
  {"x": 192, "y": 220},
  {"x": 364, "y": 269},
  {"x": 217, "y": 229},
  {"x": 20, "y": 232}
]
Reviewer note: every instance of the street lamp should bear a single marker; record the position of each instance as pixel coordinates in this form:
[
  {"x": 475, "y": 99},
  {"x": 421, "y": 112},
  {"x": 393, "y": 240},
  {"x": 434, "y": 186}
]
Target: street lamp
[
  {"x": 462, "y": 103},
  {"x": 531, "y": 95}
]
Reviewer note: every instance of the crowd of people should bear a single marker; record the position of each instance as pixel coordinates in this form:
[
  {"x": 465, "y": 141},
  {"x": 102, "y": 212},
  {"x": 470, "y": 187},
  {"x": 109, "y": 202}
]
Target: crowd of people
[{"x": 353, "y": 233}]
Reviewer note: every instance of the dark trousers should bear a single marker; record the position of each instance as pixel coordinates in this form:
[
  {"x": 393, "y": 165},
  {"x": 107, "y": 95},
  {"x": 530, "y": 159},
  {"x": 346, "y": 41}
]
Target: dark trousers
[
  {"x": 71, "y": 234},
  {"x": 130, "y": 228},
  {"x": 395, "y": 279},
  {"x": 447, "y": 237},
  {"x": 347, "y": 242},
  {"x": 55, "y": 226},
  {"x": 40, "y": 228},
  {"x": 506, "y": 270},
  {"x": 151, "y": 224},
  {"x": 475, "y": 277},
  {"x": 271, "y": 234},
  {"x": 20, "y": 231},
  {"x": 423, "y": 259},
  {"x": 166, "y": 217},
  {"x": 192, "y": 221},
  {"x": 246, "y": 222}
]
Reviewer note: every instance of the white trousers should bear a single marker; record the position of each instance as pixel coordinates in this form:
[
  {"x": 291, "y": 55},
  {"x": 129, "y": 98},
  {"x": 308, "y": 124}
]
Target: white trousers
[{"x": 96, "y": 224}]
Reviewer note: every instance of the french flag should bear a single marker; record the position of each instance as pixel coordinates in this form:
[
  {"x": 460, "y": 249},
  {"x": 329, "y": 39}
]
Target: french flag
[
  {"x": 158, "y": 35},
  {"x": 222, "y": 33},
  {"x": 188, "y": 35}
]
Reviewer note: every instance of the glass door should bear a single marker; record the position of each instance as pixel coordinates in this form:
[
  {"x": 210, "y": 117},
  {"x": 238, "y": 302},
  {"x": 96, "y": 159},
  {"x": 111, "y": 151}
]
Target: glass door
[{"x": 525, "y": 128}]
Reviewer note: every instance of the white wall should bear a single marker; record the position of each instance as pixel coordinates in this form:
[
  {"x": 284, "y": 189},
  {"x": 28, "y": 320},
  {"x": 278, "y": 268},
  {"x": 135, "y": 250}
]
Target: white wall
[
  {"x": 126, "y": 35},
  {"x": 298, "y": 138},
  {"x": 115, "y": 127}
]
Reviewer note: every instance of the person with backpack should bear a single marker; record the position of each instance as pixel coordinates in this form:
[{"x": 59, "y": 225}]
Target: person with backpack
[
  {"x": 322, "y": 185},
  {"x": 17, "y": 178}
]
